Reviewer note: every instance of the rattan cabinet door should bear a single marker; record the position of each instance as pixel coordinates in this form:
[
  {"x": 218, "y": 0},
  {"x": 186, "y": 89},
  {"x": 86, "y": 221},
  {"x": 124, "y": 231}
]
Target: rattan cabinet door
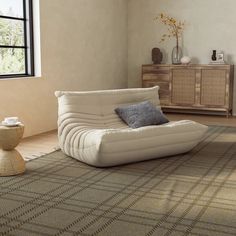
[
  {"x": 183, "y": 87},
  {"x": 213, "y": 87}
]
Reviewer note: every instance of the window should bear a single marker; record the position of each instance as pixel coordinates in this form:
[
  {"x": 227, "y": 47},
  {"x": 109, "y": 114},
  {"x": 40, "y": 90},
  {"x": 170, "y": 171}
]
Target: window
[{"x": 16, "y": 38}]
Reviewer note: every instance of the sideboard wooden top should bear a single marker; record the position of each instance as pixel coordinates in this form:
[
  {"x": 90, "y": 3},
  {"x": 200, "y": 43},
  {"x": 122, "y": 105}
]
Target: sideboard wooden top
[{"x": 191, "y": 65}]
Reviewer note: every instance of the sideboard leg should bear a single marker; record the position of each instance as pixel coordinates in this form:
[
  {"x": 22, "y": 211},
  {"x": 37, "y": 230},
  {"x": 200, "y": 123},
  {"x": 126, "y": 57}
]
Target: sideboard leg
[{"x": 227, "y": 113}]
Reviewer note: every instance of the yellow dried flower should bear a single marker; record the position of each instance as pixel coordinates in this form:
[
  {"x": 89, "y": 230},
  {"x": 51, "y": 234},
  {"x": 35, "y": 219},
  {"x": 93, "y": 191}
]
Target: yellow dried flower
[{"x": 175, "y": 27}]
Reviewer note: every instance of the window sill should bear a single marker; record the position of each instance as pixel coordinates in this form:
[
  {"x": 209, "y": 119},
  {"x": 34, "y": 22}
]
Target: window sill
[{"x": 20, "y": 78}]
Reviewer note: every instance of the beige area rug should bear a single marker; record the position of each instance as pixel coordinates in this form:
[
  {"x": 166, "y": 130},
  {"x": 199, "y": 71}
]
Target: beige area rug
[{"x": 189, "y": 194}]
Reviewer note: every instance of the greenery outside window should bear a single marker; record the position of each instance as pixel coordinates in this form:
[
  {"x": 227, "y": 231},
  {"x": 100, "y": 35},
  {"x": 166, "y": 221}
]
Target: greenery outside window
[{"x": 16, "y": 38}]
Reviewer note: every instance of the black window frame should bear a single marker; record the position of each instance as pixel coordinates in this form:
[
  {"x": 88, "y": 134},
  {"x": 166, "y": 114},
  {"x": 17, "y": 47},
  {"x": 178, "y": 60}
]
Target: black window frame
[{"x": 28, "y": 40}]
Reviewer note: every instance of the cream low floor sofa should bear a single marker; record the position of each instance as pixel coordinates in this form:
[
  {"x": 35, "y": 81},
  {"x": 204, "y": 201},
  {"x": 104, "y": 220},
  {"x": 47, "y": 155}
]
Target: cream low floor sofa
[{"x": 90, "y": 130}]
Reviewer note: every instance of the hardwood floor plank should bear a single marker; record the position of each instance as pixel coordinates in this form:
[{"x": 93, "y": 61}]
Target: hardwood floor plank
[
  {"x": 204, "y": 119},
  {"x": 38, "y": 145}
]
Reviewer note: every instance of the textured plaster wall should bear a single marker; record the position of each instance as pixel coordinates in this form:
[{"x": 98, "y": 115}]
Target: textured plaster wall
[
  {"x": 83, "y": 47},
  {"x": 210, "y": 24}
]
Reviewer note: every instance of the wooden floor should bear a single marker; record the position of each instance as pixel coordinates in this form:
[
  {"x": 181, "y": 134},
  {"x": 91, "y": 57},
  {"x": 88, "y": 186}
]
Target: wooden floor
[
  {"x": 204, "y": 119},
  {"x": 42, "y": 144},
  {"x": 38, "y": 145}
]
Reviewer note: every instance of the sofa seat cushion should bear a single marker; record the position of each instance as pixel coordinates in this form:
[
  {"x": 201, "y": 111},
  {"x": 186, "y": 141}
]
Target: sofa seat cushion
[{"x": 108, "y": 147}]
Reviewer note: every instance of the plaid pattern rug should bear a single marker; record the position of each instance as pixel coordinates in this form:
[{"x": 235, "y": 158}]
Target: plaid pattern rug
[{"x": 189, "y": 194}]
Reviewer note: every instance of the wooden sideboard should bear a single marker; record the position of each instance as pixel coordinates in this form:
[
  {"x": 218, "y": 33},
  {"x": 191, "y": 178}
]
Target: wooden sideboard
[{"x": 192, "y": 88}]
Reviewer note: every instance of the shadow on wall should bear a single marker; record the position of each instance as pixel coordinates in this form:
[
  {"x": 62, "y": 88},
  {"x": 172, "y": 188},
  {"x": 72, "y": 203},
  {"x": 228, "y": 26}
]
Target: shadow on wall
[
  {"x": 229, "y": 59},
  {"x": 195, "y": 60},
  {"x": 165, "y": 56}
]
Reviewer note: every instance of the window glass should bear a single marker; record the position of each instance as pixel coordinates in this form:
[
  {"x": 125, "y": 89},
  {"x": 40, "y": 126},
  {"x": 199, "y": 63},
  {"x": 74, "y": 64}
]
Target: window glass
[
  {"x": 16, "y": 38},
  {"x": 12, "y": 61},
  {"x": 13, "y": 8},
  {"x": 11, "y": 32}
]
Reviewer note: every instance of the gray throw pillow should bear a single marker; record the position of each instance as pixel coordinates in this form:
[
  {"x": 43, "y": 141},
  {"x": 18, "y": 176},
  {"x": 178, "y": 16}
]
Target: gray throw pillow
[{"x": 141, "y": 114}]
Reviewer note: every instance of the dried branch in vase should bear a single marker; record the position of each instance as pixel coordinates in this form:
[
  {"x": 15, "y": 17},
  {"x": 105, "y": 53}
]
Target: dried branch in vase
[{"x": 175, "y": 27}]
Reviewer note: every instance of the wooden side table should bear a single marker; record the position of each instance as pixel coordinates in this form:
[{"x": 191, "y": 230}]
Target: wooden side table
[{"x": 11, "y": 161}]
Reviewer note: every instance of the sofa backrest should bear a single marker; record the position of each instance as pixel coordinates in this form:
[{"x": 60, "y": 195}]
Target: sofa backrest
[{"x": 98, "y": 106}]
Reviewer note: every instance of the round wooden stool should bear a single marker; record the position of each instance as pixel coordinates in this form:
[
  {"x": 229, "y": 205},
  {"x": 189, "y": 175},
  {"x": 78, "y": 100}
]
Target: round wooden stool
[{"x": 11, "y": 161}]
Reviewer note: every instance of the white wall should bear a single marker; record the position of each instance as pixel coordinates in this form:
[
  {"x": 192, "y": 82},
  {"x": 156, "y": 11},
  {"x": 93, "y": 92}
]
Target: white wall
[
  {"x": 83, "y": 47},
  {"x": 210, "y": 24}
]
